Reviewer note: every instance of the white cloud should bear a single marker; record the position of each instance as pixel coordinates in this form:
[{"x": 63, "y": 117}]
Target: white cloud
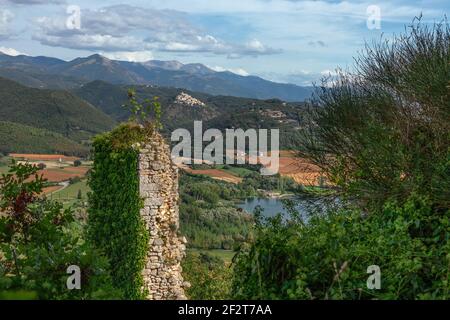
[
  {"x": 11, "y": 51},
  {"x": 123, "y": 28},
  {"x": 328, "y": 72},
  {"x": 131, "y": 56},
  {"x": 6, "y": 17},
  {"x": 300, "y": 77},
  {"x": 238, "y": 71}
]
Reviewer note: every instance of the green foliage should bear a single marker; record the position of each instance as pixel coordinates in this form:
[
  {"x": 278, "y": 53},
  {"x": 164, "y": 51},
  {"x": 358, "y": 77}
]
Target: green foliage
[
  {"x": 209, "y": 277},
  {"x": 255, "y": 181},
  {"x": 207, "y": 216},
  {"x": 382, "y": 137},
  {"x": 74, "y": 180},
  {"x": 39, "y": 240},
  {"x": 328, "y": 257},
  {"x": 142, "y": 110},
  {"x": 115, "y": 225}
]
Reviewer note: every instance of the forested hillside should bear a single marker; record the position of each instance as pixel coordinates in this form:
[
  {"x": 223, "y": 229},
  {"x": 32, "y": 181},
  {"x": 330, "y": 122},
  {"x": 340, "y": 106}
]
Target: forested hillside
[
  {"x": 47, "y": 120},
  {"x": 25, "y": 139},
  {"x": 219, "y": 112},
  {"x": 57, "y": 111}
]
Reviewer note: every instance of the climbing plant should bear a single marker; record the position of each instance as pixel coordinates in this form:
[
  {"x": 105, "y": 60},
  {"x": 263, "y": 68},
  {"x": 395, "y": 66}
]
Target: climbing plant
[{"x": 115, "y": 225}]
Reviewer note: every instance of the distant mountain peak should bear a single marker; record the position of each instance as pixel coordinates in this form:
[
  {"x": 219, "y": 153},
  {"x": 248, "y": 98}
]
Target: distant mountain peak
[
  {"x": 97, "y": 56},
  {"x": 99, "y": 59}
]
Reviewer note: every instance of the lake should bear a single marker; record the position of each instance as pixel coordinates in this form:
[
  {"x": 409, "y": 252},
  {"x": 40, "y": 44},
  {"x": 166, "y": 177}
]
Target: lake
[{"x": 271, "y": 206}]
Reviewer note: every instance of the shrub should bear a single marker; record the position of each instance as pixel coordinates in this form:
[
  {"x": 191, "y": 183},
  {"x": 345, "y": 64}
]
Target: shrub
[
  {"x": 74, "y": 180},
  {"x": 210, "y": 278},
  {"x": 328, "y": 258},
  {"x": 383, "y": 132},
  {"x": 39, "y": 240}
]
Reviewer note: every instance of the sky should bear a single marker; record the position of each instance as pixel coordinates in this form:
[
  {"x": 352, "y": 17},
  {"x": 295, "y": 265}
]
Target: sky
[{"x": 290, "y": 41}]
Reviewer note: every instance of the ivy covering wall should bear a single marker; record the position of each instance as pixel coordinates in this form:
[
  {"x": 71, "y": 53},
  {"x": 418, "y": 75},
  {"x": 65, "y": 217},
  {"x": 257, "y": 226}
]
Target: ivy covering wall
[{"x": 115, "y": 224}]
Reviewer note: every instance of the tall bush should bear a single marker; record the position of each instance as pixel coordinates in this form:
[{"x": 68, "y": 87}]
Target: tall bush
[{"x": 383, "y": 131}]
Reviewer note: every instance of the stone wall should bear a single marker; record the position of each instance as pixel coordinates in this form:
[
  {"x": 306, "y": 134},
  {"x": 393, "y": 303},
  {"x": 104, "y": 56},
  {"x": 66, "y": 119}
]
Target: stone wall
[{"x": 159, "y": 189}]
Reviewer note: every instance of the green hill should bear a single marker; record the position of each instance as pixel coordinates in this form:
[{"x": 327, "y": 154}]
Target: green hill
[
  {"x": 25, "y": 139},
  {"x": 58, "y": 111},
  {"x": 219, "y": 112}
]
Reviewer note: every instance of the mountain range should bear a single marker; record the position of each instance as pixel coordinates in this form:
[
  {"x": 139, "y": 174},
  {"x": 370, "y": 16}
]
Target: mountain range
[
  {"x": 49, "y": 105},
  {"x": 53, "y": 73}
]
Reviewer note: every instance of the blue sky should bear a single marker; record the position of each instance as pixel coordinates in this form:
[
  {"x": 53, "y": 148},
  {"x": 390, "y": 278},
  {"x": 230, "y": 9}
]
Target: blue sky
[{"x": 282, "y": 40}]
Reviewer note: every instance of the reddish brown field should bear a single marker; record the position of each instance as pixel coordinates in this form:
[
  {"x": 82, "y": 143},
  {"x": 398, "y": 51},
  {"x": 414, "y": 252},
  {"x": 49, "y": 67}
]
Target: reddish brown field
[
  {"x": 217, "y": 174},
  {"x": 59, "y": 175},
  {"x": 42, "y": 157},
  {"x": 76, "y": 170},
  {"x": 299, "y": 170}
]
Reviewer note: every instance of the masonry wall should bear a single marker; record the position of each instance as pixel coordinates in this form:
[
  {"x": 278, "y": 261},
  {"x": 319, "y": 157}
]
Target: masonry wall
[{"x": 159, "y": 189}]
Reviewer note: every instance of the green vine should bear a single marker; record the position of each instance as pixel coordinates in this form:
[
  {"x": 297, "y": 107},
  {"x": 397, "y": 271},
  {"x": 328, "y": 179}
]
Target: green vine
[{"x": 115, "y": 224}]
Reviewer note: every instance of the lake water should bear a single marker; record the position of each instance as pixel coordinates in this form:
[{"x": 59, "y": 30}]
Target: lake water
[{"x": 271, "y": 206}]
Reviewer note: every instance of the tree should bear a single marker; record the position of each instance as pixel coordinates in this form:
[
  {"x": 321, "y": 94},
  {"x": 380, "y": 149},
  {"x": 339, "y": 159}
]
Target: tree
[{"x": 77, "y": 163}]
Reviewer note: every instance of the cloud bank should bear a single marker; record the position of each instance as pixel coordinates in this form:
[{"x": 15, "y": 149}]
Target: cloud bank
[{"x": 125, "y": 28}]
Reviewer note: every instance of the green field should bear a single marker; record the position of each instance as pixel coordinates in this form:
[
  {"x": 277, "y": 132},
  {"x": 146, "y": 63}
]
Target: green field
[
  {"x": 69, "y": 195},
  {"x": 237, "y": 171},
  {"x": 71, "y": 192},
  {"x": 225, "y": 255}
]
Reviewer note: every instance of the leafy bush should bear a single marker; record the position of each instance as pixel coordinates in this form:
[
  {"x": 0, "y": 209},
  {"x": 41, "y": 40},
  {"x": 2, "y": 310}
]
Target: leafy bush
[
  {"x": 40, "y": 240},
  {"x": 328, "y": 258},
  {"x": 210, "y": 278}
]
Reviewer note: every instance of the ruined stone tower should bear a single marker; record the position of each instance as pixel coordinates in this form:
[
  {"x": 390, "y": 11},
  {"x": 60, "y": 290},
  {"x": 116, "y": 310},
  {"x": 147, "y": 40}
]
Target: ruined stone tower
[{"x": 158, "y": 184}]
